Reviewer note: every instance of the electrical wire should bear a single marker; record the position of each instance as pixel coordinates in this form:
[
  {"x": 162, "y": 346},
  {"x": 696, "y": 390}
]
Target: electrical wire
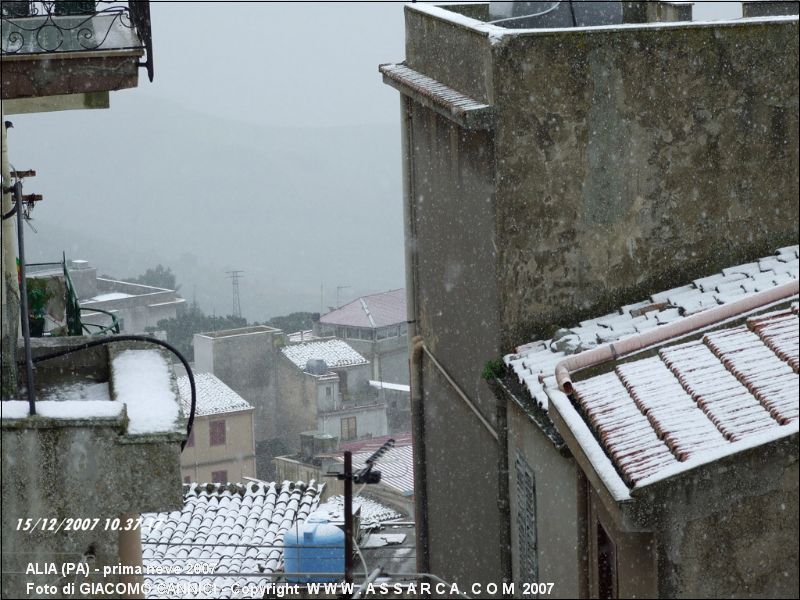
[
  {"x": 539, "y": 14},
  {"x": 134, "y": 338}
]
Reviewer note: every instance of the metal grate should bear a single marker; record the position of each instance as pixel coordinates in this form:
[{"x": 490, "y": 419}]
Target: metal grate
[{"x": 526, "y": 521}]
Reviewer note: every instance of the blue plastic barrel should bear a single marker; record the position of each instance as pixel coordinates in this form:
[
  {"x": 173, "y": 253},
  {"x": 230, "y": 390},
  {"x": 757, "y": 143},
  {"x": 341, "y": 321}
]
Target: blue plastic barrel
[{"x": 316, "y": 546}]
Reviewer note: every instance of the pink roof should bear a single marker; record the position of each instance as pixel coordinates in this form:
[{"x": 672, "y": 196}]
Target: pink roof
[
  {"x": 697, "y": 398},
  {"x": 373, "y": 311},
  {"x": 372, "y": 444}
]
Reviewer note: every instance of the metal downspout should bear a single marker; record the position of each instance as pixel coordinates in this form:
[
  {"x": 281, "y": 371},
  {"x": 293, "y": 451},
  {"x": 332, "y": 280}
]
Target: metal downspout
[
  {"x": 503, "y": 487},
  {"x": 415, "y": 347}
]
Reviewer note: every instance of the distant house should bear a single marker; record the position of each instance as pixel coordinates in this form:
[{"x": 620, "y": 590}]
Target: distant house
[
  {"x": 324, "y": 386},
  {"x": 396, "y": 488},
  {"x": 397, "y": 397},
  {"x": 221, "y": 447},
  {"x": 375, "y": 325},
  {"x": 238, "y": 529}
]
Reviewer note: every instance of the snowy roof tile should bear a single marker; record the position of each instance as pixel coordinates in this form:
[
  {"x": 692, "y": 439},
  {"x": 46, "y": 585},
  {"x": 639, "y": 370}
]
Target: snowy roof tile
[
  {"x": 234, "y": 528},
  {"x": 540, "y": 357},
  {"x": 697, "y": 398},
  {"x": 396, "y": 467},
  {"x": 213, "y": 396},
  {"x": 335, "y": 353},
  {"x": 373, "y": 311}
]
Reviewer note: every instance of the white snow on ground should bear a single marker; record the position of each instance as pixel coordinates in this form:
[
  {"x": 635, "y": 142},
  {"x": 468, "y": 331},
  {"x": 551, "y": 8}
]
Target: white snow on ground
[
  {"x": 142, "y": 382},
  {"x": 110, "y": 296},
  {"x": 62, "y": 409}
]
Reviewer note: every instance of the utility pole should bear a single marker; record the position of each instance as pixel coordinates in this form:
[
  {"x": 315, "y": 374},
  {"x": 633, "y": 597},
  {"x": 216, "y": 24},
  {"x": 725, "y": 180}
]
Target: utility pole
[
  {"x": 366, "y": 475},
  {"x": 339, "y": 288},
  {"x": 235, "y": 276}
]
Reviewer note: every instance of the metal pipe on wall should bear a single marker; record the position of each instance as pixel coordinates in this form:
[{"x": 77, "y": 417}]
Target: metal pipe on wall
[{"x": 415, "y": 345}]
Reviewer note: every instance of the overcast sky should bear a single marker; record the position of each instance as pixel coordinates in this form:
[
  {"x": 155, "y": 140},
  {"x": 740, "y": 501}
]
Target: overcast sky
[{"x": 280, "y": 63}]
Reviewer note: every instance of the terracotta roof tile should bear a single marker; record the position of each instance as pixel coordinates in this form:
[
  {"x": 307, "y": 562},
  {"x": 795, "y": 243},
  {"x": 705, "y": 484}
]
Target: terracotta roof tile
[{"x": 695, "y": 397}]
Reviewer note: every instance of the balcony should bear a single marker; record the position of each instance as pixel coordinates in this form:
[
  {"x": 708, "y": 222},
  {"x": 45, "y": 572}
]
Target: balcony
[{"x": 61, "y": 47}]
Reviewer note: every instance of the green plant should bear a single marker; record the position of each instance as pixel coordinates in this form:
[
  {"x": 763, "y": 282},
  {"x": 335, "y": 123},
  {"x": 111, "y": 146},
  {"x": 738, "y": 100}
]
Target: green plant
[
  {"x": 493, "y": 369},
  {"x": 38, "y": 297}
]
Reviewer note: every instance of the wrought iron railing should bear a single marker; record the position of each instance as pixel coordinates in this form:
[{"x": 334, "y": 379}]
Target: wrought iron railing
[{"x": 76, "y": 26}]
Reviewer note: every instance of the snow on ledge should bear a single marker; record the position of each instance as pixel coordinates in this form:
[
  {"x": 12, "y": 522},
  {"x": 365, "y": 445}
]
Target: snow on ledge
[
  {"x": 63, "y": 409},
  {"x": 142, "y": 382},
  {"x": 600, "y": 462}
]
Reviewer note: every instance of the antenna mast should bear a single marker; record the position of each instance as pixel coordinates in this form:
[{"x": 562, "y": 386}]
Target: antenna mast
[{"x": 235, "y": 276}]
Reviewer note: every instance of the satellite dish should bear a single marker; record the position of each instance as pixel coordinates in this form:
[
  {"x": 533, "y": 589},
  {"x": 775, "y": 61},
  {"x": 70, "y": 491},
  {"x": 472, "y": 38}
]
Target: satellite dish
[{"x": 567, "y": 13}]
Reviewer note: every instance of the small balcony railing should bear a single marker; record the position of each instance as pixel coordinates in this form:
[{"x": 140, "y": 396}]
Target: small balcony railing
[{"x": 60, "y": 27}]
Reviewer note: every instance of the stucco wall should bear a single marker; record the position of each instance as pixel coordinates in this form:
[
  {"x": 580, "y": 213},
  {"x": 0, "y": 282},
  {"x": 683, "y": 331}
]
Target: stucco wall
[
  {"x": 76, "y": 469},
  {"x": 237, "y": 455},
  {"x": 245, "y": 360},
  {"x": 738, "y": 537},
  {"x": 558, "y": 504},
  {"x": 452, "y": 192}
]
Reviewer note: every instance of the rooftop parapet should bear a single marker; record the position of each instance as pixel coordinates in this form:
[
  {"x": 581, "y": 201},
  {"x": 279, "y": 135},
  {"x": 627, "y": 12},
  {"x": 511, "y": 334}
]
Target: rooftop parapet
[{"x": 103, "y": 448}]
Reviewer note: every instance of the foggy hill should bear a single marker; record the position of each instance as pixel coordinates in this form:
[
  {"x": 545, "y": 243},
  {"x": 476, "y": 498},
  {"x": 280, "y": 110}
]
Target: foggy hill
[{"x": 148, "y": 182}]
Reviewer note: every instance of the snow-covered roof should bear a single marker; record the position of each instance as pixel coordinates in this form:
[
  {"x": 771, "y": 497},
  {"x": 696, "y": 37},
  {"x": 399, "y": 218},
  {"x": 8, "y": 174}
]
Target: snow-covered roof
[
  {"x": 373, "y": 513},
  {"x": 373, "y": 311},
  {"x": 698, "y": 401},
  {"x": 692, "y": 402},
  {"x": 213, "y": 396},
  {"x": 234, "y": 528},
  {"x": 396, "y": 467},
  {"x": 335, "y": 353},
  {"x": 540, "y": 357},
  {"x": 397, "y": 387},
  {"x": 142, "y": 384}
]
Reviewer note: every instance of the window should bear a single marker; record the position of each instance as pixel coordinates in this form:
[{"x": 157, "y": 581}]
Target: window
[
  {"x": 328, "y": 391},
  {"x": 190, "y": 441},
  {"x": 217, "y": 433},
  {"x": 606, "y": 564},
  {"x": 219, "y": 477},
  {"x": 349, "y": 431},
  {"x": 526, "y": 521}
]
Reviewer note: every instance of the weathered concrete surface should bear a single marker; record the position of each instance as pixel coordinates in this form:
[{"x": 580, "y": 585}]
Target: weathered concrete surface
[
  {"x": 561, "y": 553},
  {"x": 634, "y": 160},
  {"x": 87, "y": 468},
  {"x": 730, "y": 530},
  {"x": 244, "y": 359}
]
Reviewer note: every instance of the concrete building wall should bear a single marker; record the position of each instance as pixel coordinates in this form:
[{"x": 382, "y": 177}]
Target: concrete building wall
[
  {"x": 559, "y": 500},
  {"x": 620, "y": 153},
  {"x": 388, "y": 357},
  {"x": 614, "y": 157},
  {"x": 296, "y": 405},
  {"x": 737, "y": 538},
  {"x": 87, "y": 469},
  {"x": 457, "y": 313},
  {"x": 245, "y": 360},
  {"x": 370, "y": 421},
  {"x": 236, "y": 456}
]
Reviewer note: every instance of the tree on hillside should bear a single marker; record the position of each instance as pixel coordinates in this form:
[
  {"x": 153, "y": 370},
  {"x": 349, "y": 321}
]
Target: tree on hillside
[
  {"x": 296, "y": 321},
  {"x": 158, "y": 276},
  {"x": 180, "y": 330}
]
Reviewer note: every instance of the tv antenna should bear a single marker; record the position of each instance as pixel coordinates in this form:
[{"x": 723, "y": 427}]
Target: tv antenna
[
  {"x": 235, "y": 276},
  {"x": 339, "y": 288}
]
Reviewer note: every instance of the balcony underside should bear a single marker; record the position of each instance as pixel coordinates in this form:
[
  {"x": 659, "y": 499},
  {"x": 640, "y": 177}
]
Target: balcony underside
[{"x": 29, "y": 76}]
